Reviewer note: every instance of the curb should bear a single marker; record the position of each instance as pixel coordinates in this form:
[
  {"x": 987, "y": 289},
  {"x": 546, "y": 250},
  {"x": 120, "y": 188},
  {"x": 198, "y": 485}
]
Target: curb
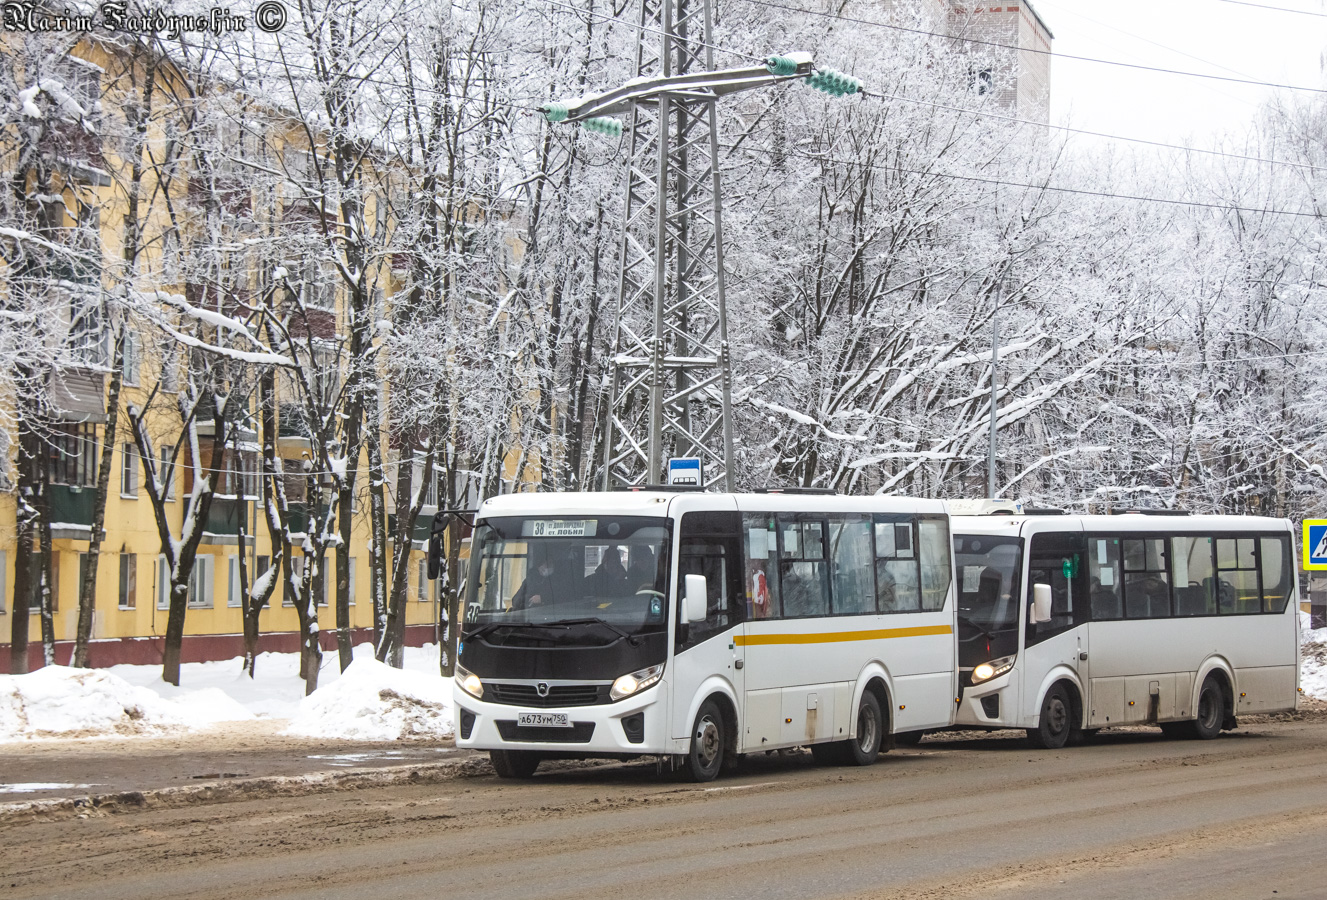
[{"x": 232, "y": 790}]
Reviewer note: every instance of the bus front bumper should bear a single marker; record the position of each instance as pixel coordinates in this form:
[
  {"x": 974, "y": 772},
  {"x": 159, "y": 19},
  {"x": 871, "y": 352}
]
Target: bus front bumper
[
  {"x": 987, "y": 705},
  {"x": 633, "y": 726}
]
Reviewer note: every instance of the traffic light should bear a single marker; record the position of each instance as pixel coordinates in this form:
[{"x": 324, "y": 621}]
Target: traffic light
[
  {"x": 832, "y": 82},
  {"x": 604, "y": 125}
]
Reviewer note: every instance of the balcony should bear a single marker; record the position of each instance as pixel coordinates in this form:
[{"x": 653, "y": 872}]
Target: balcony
[
  {"x": 223, "y": 516},
  {"x": 71, "y": 505}
]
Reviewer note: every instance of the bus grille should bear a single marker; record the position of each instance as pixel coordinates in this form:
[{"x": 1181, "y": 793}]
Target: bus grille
[
  {"x": 558, "y": 695},
  {"x": 578, "y": 733}
]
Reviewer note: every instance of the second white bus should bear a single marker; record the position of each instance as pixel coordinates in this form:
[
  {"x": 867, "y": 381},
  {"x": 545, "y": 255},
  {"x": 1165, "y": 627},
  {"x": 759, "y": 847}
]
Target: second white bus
[{"x": 1070, "y": 624}]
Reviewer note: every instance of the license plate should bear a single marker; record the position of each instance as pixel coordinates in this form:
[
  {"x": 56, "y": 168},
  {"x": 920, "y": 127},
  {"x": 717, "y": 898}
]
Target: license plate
[{"x": 542, "y": 720}]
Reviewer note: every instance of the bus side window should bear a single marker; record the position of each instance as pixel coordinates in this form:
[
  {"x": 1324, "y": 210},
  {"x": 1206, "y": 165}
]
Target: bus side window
[
  {"x": 710, "y": 546},
  {"x": 1275, "y": 566},
  {"x": 934, "y": 556},
  {"x": 897, "y": 583},
  {"x": 803, "y": 578},
  {"x": 1103, "y": 569},
  {"x": 850, "y": 556},
  {"x": 1195, "y": 581},
  {"x": 761, "y": 545},
  {"x": 1237, "y": 574},
  {"x": 1146, "y": 582}
]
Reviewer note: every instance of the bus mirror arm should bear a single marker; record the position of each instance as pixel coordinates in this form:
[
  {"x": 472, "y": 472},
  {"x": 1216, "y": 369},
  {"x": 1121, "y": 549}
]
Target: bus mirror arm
[
  {"x": 696, "y": 599},
  {"x": 440, "y": 523},
  {"x": 1041, "y": 604}
]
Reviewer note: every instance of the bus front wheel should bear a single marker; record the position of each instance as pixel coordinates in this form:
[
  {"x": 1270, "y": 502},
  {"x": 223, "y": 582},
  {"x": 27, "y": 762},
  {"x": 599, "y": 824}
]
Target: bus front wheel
[
  {"x": 1056, "y": 722},
  {"x": 705, "y": 758},
  {"x": 514, "y": 763}
]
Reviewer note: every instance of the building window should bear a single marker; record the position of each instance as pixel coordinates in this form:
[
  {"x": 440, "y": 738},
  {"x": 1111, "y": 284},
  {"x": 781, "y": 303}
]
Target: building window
[
  {"x": 163, "y": 583},
  {"x": 129, "y": 471},
  {"x": 200, "y": 583},
  {"x": 4, "y": 580},
  {"x": 232, "y": 580},
  {"x": 982, "y": 81},
  {"x": 423, "y": 581},
  {"x": 128, "y": 580},
  {"x": 73, "y": 454},
  {"x": 352, "y": 578},
  {"x": 166, "y": 472},
  {"x": 133, "y": 353}
]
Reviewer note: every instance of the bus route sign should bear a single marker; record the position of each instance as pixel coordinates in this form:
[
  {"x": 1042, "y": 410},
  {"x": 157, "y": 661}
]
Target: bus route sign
[{"x": 1315, "y": 544}]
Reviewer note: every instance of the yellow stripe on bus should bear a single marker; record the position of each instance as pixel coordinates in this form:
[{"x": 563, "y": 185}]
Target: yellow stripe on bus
[{"x": 831, "y": 637}]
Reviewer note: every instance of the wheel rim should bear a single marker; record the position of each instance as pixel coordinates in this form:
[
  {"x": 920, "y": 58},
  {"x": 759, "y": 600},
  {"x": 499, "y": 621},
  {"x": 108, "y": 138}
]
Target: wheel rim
[
  {"x": 709, "y": 741},
  {"x": 867, "y": 729},
  {"x": 1057, "y": 714},
  {"x": 1208, "y": 710}
]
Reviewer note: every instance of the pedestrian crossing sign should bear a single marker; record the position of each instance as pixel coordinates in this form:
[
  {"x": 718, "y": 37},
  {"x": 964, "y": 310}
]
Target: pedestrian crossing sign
[{"x": 1315, "y": 544}]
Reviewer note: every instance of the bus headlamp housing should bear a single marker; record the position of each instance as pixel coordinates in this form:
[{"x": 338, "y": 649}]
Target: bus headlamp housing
[
  {"x": 626, "y": 685},
  {"x": 988, "y": 670},
  {"x": 470, "y": 683}
]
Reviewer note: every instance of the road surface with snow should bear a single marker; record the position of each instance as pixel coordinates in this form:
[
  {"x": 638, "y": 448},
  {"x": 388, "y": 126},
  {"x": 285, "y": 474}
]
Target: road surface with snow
[{"x": 1131, "y": 815}]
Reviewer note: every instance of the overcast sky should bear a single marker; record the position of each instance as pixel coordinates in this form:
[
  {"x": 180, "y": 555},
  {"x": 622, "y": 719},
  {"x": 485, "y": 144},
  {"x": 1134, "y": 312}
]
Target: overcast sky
[{"x": 1209, "y": 36}]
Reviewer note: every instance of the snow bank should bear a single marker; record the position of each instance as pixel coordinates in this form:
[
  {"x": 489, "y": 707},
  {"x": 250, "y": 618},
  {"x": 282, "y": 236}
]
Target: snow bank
[
  {"x": 1313, "y": 659},
  {"x": 372, "y": 701},
  {"x": 57, "y": 701}
]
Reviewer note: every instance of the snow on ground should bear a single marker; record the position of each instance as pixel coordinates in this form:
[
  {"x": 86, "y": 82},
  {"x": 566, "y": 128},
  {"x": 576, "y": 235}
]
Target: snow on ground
[
  {"x": 57, "y": 701},
  {"x": 376, "y": 702},
  {"x": 372, "y": 701},
  {"x": 1313, "y": 659}
]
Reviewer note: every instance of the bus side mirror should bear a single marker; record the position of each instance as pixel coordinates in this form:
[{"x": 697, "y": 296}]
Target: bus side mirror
[
  {"x": 1041, "y": 604},
  {"x": 440, "y": 523},
  {"x": 696, "y": 602}
]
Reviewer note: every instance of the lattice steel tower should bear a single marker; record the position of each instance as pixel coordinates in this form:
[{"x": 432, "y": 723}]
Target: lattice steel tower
[{"x": 671, "y": 376}]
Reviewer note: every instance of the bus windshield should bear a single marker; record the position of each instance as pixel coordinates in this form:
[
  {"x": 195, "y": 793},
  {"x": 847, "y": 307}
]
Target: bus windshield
[
  {"x": 563, "y": 580},
  {"x": 988, "y": 570}
]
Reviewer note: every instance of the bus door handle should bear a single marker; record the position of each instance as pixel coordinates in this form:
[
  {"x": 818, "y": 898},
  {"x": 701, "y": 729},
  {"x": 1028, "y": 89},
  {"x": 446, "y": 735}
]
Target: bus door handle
[{"x": 738, "y": 663}]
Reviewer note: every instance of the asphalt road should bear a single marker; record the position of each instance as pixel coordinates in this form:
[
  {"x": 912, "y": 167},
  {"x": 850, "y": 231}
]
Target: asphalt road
[{"x": 1132, "y": 815}]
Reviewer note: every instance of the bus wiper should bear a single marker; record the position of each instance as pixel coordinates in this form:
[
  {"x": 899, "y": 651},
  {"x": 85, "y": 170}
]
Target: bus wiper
[
  {"x": 965, "y": 620},
  {"x": 594, "y": 620}
]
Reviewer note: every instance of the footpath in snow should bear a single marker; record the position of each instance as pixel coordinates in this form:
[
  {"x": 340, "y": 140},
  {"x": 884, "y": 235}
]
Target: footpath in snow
[{"x": 370, "y": 701}]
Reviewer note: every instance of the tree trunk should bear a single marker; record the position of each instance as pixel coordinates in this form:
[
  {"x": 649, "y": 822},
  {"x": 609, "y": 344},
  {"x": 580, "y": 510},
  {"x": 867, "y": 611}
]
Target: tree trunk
[
  {"x": 87, "y": 590},
  {"x": 26, "y": 574},
  {"x": 47, "y": 562}
]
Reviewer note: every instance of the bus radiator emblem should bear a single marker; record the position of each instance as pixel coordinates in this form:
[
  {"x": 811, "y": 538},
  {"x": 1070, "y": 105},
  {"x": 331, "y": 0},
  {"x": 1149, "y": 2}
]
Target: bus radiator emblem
[{"x": 541, "y": 689}]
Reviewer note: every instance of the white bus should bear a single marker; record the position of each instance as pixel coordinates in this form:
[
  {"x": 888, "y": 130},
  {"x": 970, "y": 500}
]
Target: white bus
[
  {"x": 1069, "y": 624},
  {"x": 700, "y": 627}
]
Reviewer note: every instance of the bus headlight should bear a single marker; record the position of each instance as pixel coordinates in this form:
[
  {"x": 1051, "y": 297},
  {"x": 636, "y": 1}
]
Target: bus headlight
[
  {"x": 988, "y": 670},
  {"x": 626, "y": 685},
  {"x": 470, "y": 683}
]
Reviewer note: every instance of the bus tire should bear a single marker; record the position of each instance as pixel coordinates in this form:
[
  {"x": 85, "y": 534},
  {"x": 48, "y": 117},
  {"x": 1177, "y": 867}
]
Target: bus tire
[
  {"x": 864, "y": 750},
  {"x": 1056, "y": 723},
  {"x": 708, "y": 743},
  {"x": 514, "y": 763},
  {"x": 1211, "y": 711}
]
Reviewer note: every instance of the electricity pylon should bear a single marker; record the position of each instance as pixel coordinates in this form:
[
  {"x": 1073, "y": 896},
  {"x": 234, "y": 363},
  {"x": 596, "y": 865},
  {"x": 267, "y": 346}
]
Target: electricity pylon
[{"x": 670, "y": 390}]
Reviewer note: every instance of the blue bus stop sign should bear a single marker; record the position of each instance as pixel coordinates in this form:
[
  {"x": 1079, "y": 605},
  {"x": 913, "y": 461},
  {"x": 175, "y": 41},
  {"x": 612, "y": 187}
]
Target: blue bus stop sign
[{"x": 685, "y": 470}]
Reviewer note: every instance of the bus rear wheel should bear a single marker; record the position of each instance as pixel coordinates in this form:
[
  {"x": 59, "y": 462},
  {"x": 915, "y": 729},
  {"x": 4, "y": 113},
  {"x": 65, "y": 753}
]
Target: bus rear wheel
[
  {"x": 865, "y": 749},
  {"x": 514, "y": 763},
  {"x": 1056, "y": 723},
  {"x": 1211, "y": 713}
]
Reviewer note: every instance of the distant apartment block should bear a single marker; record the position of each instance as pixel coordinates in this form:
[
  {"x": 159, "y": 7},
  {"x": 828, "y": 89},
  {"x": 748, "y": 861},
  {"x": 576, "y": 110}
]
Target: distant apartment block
[{"x": 1020, "y": 80}]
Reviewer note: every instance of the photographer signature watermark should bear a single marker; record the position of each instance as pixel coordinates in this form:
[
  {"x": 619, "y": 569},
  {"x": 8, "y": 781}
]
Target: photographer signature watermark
[{"x": 117, "y": 16}]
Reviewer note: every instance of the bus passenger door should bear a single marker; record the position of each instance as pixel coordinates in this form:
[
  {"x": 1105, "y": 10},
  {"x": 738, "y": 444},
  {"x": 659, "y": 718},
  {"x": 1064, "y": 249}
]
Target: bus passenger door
[
  {"x": 1056, "y": 559},
  {"x": 709, "y": 651}
]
